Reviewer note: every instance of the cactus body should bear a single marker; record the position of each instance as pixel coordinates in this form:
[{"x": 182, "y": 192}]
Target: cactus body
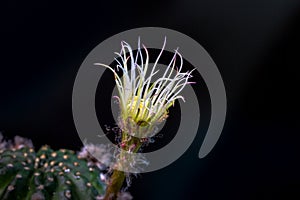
[{"x": 47, "y": 174}]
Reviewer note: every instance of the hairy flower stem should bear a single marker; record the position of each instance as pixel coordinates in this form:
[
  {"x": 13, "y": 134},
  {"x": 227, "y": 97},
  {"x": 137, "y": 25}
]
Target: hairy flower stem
[
  {"x": 128, "y": 143},
  {"x": 115, "y": 185}
]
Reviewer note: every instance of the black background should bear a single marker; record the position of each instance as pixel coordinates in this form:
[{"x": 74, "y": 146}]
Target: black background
[{"x": 255, "y": 45}]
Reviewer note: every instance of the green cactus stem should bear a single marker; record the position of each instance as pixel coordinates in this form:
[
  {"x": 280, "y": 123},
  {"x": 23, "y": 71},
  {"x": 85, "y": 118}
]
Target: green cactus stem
[{"x": 47, "y": 174}]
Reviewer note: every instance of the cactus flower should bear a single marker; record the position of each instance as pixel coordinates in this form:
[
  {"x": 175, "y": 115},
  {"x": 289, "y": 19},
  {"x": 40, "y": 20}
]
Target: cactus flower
[{"x": 144, "y": 101}]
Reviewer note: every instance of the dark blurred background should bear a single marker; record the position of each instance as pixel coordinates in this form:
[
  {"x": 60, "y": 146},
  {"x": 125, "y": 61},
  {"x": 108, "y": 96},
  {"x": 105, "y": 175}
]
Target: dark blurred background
[{"x": 255, "y": 45}]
